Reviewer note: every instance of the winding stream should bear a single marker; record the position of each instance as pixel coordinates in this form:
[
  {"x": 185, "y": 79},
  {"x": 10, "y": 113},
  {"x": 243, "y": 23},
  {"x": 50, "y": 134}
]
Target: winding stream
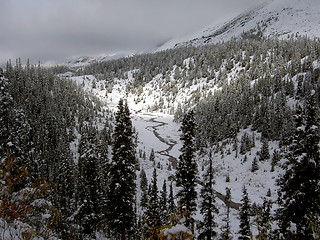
[
  {"x": 171, "y": 143},
  {"x": 173, "y": 160}
]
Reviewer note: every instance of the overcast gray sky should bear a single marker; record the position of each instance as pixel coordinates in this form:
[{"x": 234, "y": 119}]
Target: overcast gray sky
[{"x": 59, "y": 29}]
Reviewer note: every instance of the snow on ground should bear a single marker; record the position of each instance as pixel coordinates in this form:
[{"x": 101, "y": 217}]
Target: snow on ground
[{"x": 157, "y": 130}]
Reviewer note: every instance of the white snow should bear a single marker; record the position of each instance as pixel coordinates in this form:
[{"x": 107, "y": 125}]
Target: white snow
[{"x": 275, "y": 18}]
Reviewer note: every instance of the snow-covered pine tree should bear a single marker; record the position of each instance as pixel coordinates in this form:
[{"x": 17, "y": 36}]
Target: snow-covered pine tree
[
  {"x": 263, "y": 220},
  {"x": 14, "y": 130},
  {"x": 152, "y": 216},
  {"x": 171, "y": 204},
  {"x": 122, "y": 187},
  {"x": 143, "y": 188},
  {"x": 226, "y": 232},
  {"x": 88, "y": 183},
  {"x": 208, "y": 206},
  {"x": 299, "y": 195},
  {"x": 264, "y": 153},
  {"x": 163, "y": 202},
  {"x": 152, "y": 157},
  {"x": 254, "y": 166},
  {"x": 186, "y": 171},
  {"x": 245, "y": 231},
  {"x": 103, "y": 169},
  {"x": 64, "y": 196}
]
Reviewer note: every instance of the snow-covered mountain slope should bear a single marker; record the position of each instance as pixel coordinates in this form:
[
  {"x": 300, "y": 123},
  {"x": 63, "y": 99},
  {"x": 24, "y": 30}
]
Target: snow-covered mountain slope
[
  {"x": 273, "y": 18},
  {"x": 205, "y": 72},
  {"x": 75, "y": 62}
]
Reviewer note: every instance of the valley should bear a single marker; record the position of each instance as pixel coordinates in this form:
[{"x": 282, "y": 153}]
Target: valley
[{"x": 211, "y": 135}]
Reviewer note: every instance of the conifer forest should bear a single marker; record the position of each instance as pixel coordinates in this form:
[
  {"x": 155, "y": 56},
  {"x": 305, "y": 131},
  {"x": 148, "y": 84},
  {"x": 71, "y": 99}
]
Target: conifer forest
[{"x": 217, "y": 141}]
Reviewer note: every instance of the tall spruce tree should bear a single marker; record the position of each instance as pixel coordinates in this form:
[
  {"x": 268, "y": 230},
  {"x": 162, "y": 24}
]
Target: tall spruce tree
[
  {"x": 88, "y": 183},
  {"x": 122, "y": 189},
  {"x": 299, "y": 195},
  {"x": 208, "y": 204},
  {"x": 171, "y": 204},
  {"x": 164, "y": 203},
  {"x": 186, "y": 172},
  {"x": 152, "y": 215},
  {"x": 245, "y": 231},
  {"x": 263, "y": 220},
  {"x": 143, "y": 188},
  {"x": 226, "y": 233}
]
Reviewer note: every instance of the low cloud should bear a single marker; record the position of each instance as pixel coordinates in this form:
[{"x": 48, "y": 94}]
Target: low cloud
[{"x": 58, "y": 29}]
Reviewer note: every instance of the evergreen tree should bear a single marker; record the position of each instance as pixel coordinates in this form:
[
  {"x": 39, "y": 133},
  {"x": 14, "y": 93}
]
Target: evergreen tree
[
  {"x": 299, "y": 196},
  {"x": 255, "y": 165},
  {"x": 187, "y": 168},
  {"x": 264, "y": 153},
  {"x": 103, "y": 166},
  {"x": 164, "y": 204},
  {"x": 14, "y": 130},
  {"x": 122, "y": 189},
  {"x": 171, "y": 204},
  {"x": 144, "y": 188},
  {"x": 208, "y": 204},
  {"x": 226, "y": 233},
  {"x": 152, "y": 215},
  {"x": 276, "y": 156},
  {"x": 88, "y": 183},
  {"x": 245, "y": 144},
  {"x": 152, "y": 157},
  {"x": 245, "y": 232},
  {"x": 64, "y": 196},
  {"x": 263, "y": 220}
]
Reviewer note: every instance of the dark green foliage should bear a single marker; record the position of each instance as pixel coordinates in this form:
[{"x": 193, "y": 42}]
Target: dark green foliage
[
  {"x": 144, "y": 188},
  {"x": 88, "y": 183},
  {"x": 263, "y": 220},
  {"x": 245, "y": 231},
  {"x": 264, "y": 153},
  {"x": 255, "y": 165},
  {"x": 171, "y": 203},
  {"x": 299, "y": 196},
  {"x": 208, "y": 207},
  {"x": 276, "y": 156},
  {"x": 152, "y": 157},
  {"x": 121, "y": 188},
  {"x": 15, "y": 138},
  {"x": 163, "y": 202},
  {"x": 245, "y": 144},
  {"x": 152, "y": 216},
  {"x": 269, "y": 193},
  {"x": 226, "y": 234},
  {"x": 187, "y": 168},
  {"x": 54, "y": 110}
]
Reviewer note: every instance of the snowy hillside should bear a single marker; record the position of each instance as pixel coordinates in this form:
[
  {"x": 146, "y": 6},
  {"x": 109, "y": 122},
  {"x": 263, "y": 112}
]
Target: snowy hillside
[
  {"x": 195, "y": 79},
  {"x": 274, "y": 18},
  {"x": 76, "y": 62},
  {"x": 159, "y": 132}
]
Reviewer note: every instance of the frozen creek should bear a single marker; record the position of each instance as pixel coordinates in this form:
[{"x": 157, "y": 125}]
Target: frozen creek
[{"x": 166, "y": 143}]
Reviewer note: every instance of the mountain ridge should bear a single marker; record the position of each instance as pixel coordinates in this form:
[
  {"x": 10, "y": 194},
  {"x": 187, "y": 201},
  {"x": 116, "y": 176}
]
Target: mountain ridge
[{"x": 272, "y": 18}]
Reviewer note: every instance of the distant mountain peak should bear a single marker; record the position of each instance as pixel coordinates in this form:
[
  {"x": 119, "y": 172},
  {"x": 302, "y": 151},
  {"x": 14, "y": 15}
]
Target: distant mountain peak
[{"x": 273, "y": 18}]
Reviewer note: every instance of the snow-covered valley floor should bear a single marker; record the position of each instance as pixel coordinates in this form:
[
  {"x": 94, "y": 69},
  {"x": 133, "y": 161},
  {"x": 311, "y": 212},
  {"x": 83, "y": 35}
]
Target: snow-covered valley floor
[{"x": 158, "y": 132}]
